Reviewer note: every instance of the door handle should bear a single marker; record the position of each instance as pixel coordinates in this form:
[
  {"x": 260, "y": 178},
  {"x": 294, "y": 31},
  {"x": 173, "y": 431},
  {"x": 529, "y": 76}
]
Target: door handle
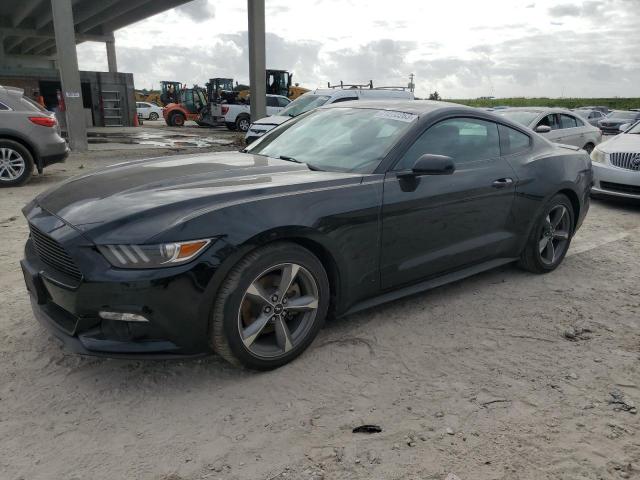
[{"x": 502, "y": 182}]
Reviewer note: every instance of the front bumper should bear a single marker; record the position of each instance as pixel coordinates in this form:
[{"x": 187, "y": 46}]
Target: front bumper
[
  {"x": 175, "y": 301},
  {"x": 614, "y": 181},
  {"x": 254, "y": 133}
]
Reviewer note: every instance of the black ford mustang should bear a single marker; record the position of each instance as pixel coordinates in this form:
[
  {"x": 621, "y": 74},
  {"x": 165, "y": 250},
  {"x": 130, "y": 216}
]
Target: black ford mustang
[{"x": 246, "y": 253}]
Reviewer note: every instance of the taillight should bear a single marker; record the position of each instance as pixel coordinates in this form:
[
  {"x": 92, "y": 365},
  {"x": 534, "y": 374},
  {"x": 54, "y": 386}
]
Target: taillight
[
  {"x": 44, "y": 121},
  {"x": 224, "y": 110}
]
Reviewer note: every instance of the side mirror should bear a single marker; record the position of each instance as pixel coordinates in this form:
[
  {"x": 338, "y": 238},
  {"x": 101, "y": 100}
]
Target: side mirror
[
  {"x": 623, "y": 127},
  {"x": 429, "y": 164},
  {"x": 542, "y": 129}
]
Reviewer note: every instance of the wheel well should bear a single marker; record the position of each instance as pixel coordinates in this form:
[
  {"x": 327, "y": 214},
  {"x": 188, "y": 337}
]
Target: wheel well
[
  {"x": 575, "y": 203},
  {"x": 26, "y": 145},
  {"x": 328, "y": 262}
]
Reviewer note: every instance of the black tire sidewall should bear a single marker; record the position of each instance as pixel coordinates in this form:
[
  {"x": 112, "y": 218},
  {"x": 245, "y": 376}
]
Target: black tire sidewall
[
  {"x": 293, "y": 254},
  {"x": 29, "y": 164},
  {"x": 559, "y": 199},
  {"x": 231, "y": 126},
  {"x": 173, "y": 120}
]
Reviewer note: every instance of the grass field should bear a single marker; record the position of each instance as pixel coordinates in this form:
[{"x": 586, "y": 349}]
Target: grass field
[{"x": 613, "y": 103}]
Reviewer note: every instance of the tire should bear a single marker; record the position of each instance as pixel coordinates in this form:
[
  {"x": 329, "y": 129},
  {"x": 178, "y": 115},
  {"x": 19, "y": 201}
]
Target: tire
[
  {"x": 153, "y": 116},
  {"x": 16, "y": 164},
  {"x": 243, "y": 122},
  {"x": 231, "y": 126},
  {"x": 589, "y": 147},
  {"x": 176, "y": 120},
  {"x": 541, "y": 254},
  {"x": 267, "y": 346}
]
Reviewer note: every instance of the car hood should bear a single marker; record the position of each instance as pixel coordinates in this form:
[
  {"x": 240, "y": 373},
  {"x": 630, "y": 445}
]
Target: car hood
[
  {"x": 138, "y": 200},
  {"x": 615, "y": 121},
  {"x": 272, "y": 120},
  {"x": 623, "y": 142}
]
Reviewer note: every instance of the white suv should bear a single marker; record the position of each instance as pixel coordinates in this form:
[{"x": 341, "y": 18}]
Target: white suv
[{"x": 323, "y": 96}]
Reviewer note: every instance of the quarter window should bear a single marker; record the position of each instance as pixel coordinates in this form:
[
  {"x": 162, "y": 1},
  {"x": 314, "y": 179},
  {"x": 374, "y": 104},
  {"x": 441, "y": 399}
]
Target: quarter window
[
  {"x": 463, "y": 139},
  {"x": 513, "y": 141}
]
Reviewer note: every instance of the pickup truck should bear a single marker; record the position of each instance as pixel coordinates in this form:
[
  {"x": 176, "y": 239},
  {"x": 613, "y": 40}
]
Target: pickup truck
[{"x": 237, "y": 116}]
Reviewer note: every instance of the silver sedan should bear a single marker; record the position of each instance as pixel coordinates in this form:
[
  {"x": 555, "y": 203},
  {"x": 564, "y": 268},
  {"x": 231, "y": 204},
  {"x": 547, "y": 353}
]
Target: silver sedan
[
  {"x": 557, "y": 125},
  {"x": 616, "y": 165}
]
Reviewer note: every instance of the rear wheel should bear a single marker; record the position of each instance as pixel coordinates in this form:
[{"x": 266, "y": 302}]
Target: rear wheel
[
  {"x": 231, "y": 126},
  {"x": 243, "y": 122},
  {"x": 589, "y": 147},
  {"x": 550, "y": 237},
  {"x": 153, "y": 116},
  {"x": 16, "y": 164},
  {"x": 270, "y": 307}
]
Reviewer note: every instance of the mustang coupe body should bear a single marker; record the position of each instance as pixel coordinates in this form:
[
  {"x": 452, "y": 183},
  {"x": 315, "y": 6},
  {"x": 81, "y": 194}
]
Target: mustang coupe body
[{"x": 245, "y": 253}]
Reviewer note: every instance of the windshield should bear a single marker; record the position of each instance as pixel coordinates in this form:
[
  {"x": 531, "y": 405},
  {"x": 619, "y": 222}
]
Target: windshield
[
  {"x": 635, "y": 129},
  {"x": 622, "y": 115},
  {"x": 522, "y": 117},
  {"x": 304, "y": 104},
  {"x": 337, "y": 139}
]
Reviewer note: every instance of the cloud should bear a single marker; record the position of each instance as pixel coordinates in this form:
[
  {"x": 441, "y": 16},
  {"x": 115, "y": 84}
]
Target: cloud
[
  {"x": 566, "y": 10},
  {"x": 197, "y": 10}
]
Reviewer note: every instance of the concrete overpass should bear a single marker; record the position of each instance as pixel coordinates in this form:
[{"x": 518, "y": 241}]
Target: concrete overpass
[{"x": 50, "y": 29}]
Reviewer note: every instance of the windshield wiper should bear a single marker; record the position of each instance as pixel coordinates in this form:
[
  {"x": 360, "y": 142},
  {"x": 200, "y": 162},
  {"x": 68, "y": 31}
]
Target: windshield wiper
[{"x": 294, "y": 160}]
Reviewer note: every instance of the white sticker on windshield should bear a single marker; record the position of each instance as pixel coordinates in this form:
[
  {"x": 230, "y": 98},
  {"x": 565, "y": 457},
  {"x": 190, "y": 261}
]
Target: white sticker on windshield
[{"x": 400, "y": 116}]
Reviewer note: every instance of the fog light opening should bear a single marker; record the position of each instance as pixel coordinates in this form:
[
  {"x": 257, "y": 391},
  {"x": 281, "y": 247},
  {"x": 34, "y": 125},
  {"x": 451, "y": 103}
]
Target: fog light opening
[{"x": 122, "y": 316}]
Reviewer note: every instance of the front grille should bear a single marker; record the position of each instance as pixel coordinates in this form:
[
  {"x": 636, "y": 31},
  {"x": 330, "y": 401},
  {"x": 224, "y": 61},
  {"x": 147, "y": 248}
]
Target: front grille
[
  {"x": 628, "y": 160},
  {"x": 53, "y": 254},
  {"x": 620, "y": 187}
]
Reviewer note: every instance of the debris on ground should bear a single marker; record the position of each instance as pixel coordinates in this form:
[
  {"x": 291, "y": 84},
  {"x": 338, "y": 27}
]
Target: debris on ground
[
  {"x": 620, "y": 403},
  {"x": 367, "y": 429},
  {"x": 574, "y": 333}
]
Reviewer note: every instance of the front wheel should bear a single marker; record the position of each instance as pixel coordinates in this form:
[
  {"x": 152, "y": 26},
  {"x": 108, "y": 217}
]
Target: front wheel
[
  {"x": 550, "y": 237},
  {"x": 270, "y": 307},
  {"x": 176, "y": 120}
]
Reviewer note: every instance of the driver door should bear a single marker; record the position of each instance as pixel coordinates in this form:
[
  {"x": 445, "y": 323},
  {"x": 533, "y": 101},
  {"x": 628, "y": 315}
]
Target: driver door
[{"x": 435, "y": 224}]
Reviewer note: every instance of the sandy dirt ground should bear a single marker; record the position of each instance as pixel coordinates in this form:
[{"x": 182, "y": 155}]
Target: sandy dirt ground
[{"x": 505, "y": 375}]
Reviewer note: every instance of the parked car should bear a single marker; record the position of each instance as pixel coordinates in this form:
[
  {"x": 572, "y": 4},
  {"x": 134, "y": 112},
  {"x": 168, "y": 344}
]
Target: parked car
[
  {"x": 237, "y": 116},
  {"x": 319, "y": 97},
  {"x": 341, "y": 209},
  {"x": 591, "y": 116},
  {"x": 600, "y": 108},
  {"x": 29, "y": 138},
  {"x": 148, "y": 111},
  {"x": 612, "y": 123},
  {"x": 556, "y": 124},
  {"x": 616, "y": 165}
]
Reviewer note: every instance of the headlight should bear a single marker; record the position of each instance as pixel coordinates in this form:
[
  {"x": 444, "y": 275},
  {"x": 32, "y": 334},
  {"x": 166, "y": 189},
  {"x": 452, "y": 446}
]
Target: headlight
[
  {"x": 153, "y": 256},
  {"x": 597, "y": 155}
]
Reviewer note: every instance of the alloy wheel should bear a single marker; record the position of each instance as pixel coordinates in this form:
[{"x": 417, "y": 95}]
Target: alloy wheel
[
  {"x": 277, "y": 310},
  {"x": 12, "y": 165},
  {"x": 554, "y": 238},
  {"x": 243, "y": 125}
]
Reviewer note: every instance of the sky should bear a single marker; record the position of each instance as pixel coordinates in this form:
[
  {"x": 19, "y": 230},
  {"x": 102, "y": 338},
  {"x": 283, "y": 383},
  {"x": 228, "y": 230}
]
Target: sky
[{"x": 461, "y": 48}]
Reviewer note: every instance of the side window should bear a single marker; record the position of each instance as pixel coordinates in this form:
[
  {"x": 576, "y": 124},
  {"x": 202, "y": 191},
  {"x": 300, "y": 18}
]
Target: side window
[
  {"x": 344, "y": 99},
  {"x": 463, "y": 139},
  {"x": 550, "y": 121},
  {"x": 513, "y": 141},
  {"x": 567, "y": 121},
  {"x": 272, "y": 102}
]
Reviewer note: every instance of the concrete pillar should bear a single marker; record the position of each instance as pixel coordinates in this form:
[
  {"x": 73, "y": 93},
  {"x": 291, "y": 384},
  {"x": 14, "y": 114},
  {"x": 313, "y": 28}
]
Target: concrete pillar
[
  {"x": 257, "y": 62},
  {"x": 111, "y": 56},
  {"x": 69, "y": 73}
]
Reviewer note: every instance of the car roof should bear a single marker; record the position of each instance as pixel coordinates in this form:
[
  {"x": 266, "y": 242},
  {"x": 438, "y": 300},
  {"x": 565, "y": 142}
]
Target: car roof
[
  {"x": 373, "y": 92},
  {"x": 417, "y": 107}
]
